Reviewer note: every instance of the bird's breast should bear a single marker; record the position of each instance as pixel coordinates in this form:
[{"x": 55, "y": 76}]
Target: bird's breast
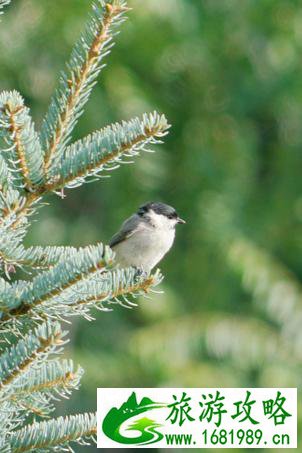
[{"x": 145, "y": 248}]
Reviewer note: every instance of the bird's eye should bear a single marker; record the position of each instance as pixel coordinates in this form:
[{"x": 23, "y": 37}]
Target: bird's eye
[
  {"x": 142, "y": 211},
  {"x": 171, "y": 216}
]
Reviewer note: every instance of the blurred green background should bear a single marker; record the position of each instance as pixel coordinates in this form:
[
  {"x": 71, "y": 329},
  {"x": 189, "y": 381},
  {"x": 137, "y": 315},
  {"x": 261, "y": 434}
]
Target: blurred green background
[{"x": 228, "y": 75}]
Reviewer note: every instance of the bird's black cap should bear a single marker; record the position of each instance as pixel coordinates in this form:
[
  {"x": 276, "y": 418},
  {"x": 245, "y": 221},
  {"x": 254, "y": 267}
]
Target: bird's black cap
[{"x": 160, "y": 208}]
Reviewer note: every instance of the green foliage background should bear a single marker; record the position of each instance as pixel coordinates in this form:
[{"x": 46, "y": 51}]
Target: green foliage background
[{"x": 228, "y": 75}]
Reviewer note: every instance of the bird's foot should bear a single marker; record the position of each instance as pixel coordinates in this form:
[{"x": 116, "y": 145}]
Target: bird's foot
[{"x": 140, "y": 273}]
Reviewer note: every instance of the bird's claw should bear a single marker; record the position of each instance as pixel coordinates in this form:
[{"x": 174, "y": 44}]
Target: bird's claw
[{"x": 140, "y": 273}]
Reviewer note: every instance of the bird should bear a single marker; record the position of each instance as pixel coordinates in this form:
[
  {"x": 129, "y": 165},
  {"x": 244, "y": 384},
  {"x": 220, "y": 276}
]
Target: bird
[{"x": 145, "y": 237}]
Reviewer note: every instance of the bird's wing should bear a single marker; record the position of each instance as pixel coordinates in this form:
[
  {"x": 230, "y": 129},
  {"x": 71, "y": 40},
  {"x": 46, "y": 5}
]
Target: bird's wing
[{"x": 129, "y": 227}]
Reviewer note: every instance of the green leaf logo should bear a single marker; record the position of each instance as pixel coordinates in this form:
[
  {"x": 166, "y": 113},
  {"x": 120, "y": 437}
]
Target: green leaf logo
[{"x": 147, "y": 428}]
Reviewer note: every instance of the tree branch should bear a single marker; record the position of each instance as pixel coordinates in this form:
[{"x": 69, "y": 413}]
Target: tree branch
[
  {"x": 53, "y": 433},
  {"x": 81, "y": 79}
]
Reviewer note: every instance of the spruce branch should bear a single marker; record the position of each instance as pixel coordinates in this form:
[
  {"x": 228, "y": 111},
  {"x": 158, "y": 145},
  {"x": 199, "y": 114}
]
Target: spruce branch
[
  {"x": 75, "y": 86},
  {"x": 39, "y": 387},
  {"x": 29, "y": 351},
  {"x": 78, "y": 296},
  {"x": 23, "y": 208},
  {"x": 104, "y": 149},
  {"x": 113, "y": 287},
  {"x": 13, "y": 253},
  {"x": 54, "y": 435},
  {"x": 100, "y": 151},
  {"x": 52, "y": 283},
  {"x": 43, "y": 257},
  {"x": 59, "y": 376},
  {"x": 23, "y": 154}
]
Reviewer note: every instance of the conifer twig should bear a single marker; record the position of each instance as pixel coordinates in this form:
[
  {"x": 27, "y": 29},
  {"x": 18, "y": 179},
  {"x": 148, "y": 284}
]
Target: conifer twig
[
  {"x": 84, "y": 293},
  {"x": 16, "y": 137},
  {"x": 98, "y": 151},
  {"x": 79, "y": 82},
  {"x": 49, "y": 284},
  {"x": 53, "y": 433},
  {"x": 19, "y": 358},
  {"x": 95, "y": 153},
  {"x": 24, "y": 155}
]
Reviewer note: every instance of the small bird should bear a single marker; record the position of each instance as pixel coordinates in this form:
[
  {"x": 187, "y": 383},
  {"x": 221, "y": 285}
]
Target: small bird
[{"x": 146, "y": 236}]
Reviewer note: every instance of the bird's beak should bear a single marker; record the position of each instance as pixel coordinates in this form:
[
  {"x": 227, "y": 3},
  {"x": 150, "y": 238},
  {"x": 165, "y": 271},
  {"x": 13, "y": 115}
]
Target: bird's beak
[{"x": 179, "y": 220}]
